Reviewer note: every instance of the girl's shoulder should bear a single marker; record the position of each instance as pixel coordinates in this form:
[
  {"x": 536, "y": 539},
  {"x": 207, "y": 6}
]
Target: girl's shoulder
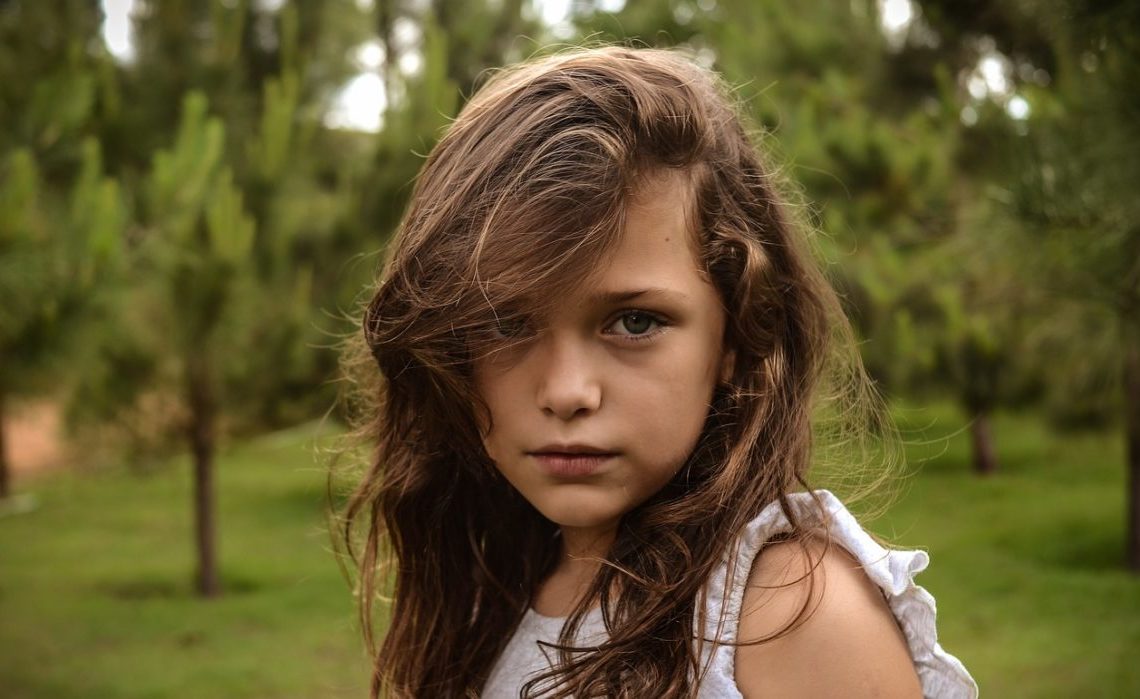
[
  {"x": 862, "y": 611},
  {"x": 832, "y": 632}
]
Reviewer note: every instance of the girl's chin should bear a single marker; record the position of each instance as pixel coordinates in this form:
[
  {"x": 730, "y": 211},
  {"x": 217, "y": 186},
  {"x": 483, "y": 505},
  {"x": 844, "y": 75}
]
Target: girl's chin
[{"x": 583, "y": 517}]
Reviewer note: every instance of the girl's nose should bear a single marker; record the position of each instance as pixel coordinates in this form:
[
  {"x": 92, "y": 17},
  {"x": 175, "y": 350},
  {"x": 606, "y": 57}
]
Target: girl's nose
[{"x": 568, "y": 384}]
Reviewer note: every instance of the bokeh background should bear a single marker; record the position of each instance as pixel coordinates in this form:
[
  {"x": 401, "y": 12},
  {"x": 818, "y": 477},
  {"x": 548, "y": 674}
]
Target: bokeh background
[{"x": 194, "y": 196}]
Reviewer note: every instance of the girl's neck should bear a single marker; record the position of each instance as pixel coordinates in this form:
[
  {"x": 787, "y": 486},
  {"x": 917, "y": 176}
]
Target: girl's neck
[
  {"x": 586, "y": 545},
  {"x": 578, "y": 562}
]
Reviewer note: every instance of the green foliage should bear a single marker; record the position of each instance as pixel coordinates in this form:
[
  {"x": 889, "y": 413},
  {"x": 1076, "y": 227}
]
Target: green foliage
[
  {"x": 230, "y": 228},
  {"x": 273, "y": 146},
  {"x": 24, "y": 268},
  {"x": 60, "y": 107},
  {"x": 200, "y": 235},
  {"x": 53, "y": 254},
  {"x": 411, "y": 127},
  {"x": 19, "y": 213},
  {"x": 1074, "y": 193},
  {"x": 1076, "y": 188},
  {"x": 232, "y": 216},
  {"x": 54, "y": 110},
  {"x": 933, "y": 230},
  {"x": 183, "y": 176},
  {"x": 97, "y": 215}
]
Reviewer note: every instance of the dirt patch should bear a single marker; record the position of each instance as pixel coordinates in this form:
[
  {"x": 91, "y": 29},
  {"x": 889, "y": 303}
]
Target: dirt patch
[{"x": 34, "y": 438}]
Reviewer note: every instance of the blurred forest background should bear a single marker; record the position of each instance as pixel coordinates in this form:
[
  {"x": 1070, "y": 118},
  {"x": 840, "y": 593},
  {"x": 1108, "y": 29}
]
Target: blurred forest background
[{"x": 194, "y": 195}]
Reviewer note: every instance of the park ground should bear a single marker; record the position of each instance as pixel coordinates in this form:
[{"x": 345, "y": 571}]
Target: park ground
[{"x": 95, "y": 580}]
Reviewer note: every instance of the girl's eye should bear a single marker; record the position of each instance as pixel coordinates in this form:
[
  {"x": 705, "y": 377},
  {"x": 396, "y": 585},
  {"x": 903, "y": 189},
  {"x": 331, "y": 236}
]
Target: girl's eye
[
  {"x": 635, "y": 325},
  {"x": 511, "y": 327}
]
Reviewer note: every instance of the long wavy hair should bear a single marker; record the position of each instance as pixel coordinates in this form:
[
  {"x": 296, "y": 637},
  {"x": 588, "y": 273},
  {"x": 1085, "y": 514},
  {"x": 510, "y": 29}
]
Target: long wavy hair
[{"x": 519, "y": 201}]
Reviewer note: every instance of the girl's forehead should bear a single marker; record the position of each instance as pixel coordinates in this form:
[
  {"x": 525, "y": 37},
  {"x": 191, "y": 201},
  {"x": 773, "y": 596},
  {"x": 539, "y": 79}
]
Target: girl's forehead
[
  {"x": 653, "y": 259},
  {"x": 649, "y": 243},
  {"x": 603, "y": 298}
]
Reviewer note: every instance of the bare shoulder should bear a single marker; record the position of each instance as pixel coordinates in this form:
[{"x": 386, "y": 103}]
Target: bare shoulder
[{"x": 844, "y": 642}]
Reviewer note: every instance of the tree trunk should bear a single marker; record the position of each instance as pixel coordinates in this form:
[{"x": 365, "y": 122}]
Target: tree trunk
[
  {"x": 1132, "y": 453},
  {"x": 385, "y": 24},
  {"x": 199, "y": 387},
  {"x": 5, "y": 484},
  {"x": 985, "y": 458}
]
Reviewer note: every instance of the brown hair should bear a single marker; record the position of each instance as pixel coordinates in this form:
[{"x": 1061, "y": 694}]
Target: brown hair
[{"x": 521, "y": 198}]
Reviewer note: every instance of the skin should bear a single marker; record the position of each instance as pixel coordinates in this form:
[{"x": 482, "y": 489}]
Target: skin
[{"x": 850, "y": 646}]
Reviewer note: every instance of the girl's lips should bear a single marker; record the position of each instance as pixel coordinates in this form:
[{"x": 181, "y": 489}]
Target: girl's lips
[{"x": 564, "y": 465}]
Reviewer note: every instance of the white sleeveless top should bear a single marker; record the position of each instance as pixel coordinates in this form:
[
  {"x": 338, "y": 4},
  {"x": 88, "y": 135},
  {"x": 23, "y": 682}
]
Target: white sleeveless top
[{"x": 941, "y": 674}]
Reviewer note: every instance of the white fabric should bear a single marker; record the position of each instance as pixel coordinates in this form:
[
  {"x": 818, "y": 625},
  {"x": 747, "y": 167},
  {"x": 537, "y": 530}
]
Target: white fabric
[{"x": 941, "y": 674}]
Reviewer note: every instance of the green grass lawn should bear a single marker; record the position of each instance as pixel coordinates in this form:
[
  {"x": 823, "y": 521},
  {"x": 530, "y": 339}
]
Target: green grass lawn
[
  {"x": 95, "y": 587},
  {"x": 1026, "y": 565},
  {"x": 95, "y": 584}
]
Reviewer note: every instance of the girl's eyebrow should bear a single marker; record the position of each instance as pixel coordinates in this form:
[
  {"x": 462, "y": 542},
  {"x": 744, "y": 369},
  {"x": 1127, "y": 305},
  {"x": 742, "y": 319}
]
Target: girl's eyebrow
[{"x": 623, "y": 295}]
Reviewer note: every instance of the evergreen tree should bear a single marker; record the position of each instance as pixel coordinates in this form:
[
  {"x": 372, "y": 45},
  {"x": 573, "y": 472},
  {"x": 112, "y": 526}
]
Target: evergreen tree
[
  {"x": 1076, "y": 193},
  {"x": 61, "y": 217}
]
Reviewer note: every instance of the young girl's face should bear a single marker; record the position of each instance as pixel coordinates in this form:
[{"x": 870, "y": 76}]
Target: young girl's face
[{"x": 603, "y": 399}]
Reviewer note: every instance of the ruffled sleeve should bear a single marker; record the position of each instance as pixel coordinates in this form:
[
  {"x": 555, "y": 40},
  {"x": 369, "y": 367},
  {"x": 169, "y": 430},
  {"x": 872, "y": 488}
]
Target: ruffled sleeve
[{"x": 941, "y": 674}]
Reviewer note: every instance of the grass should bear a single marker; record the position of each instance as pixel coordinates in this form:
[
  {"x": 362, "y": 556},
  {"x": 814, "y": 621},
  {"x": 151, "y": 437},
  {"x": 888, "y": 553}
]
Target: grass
[
  {"x": 1026, "y": 565},
  {"x": 95, "y": 583},
  {"x": 96, "y": 587}
]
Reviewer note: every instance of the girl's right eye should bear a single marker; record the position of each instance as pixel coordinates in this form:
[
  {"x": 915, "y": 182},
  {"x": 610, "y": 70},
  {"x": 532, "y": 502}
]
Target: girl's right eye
[
  {"x": 510, "y": 327},
  {"x": 636, "y": 325}
]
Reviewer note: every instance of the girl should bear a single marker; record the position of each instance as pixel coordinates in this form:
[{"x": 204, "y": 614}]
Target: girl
[{"x": 598, "y": 335}]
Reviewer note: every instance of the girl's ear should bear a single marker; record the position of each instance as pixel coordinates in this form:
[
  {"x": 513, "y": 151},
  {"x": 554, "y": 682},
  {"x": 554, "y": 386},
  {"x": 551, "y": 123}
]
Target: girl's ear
[{"x": 727, "y": 365}]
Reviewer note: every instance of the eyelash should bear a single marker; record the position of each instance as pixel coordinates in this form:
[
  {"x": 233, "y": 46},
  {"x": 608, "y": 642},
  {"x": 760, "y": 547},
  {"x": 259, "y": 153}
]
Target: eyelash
[{"x": 649, "y": 334}]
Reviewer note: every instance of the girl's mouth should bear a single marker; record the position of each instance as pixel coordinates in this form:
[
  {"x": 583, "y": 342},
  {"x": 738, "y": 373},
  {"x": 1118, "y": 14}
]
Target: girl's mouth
[{"x": 571, "y": 464}]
